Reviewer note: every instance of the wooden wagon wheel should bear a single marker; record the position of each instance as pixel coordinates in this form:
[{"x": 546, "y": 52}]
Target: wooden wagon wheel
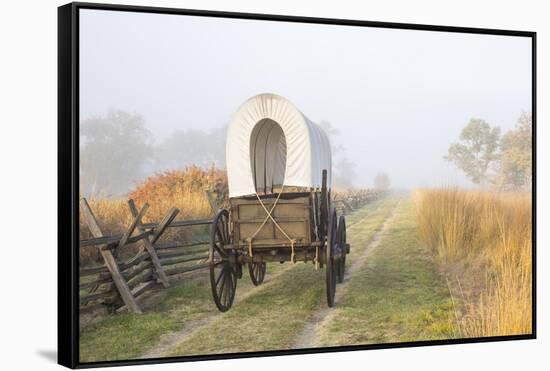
[
  {"x": 257, "y": 272},
  {"x": 222, "y": 263},
  {"x": 330, "y": 261},
  {"x": 324, "y": 207},
  {"x": 341, "y": 242}
]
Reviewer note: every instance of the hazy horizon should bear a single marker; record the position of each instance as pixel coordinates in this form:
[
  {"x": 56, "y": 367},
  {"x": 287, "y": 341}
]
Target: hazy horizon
[{"x": 398, "y": 98}]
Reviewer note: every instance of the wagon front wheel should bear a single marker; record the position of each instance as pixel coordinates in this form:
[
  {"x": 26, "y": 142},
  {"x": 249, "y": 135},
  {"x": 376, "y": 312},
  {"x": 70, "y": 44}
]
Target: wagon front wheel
[
  {"x": 331, "y": 263},
  {"x": 222, "y": 262},
  {"x": 257, "y": 272}
]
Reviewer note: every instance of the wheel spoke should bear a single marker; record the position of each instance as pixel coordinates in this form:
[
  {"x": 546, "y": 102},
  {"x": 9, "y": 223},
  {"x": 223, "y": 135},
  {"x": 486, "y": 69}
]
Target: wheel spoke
[
  {"x": 226, "y": 229},
  {"x": 226, "y": 288},
  {"x": 219, "y": 233},
  {"x": 219, "y": 278},
  {"x": 220, "y": 250},
  {"x": 224, "y": 232},
  {"x": 222, "y": 285},
  {"x": 257, "y": 272}
]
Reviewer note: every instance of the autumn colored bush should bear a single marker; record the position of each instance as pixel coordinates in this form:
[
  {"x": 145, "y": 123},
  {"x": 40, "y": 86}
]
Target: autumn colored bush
[{"x": 184, "y": 189}]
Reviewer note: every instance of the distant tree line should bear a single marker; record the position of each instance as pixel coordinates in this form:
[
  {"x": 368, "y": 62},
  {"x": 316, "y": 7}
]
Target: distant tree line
[
  {"x": 117, "y": 151},
  {"x": 489, "y": 158}
]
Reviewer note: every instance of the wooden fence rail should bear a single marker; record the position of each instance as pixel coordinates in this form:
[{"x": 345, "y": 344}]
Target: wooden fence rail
[{"x": 118, "y": 284}]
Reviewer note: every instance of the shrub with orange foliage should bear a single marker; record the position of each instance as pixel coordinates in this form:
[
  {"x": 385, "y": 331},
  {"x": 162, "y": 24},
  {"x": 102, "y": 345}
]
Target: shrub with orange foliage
[{"x": 184, "y": 189}]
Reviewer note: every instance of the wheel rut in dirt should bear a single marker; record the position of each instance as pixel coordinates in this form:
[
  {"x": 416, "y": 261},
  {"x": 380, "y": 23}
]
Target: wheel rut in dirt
[
  {"x": 170, "y": 340},
  {"x": 307, "y": 338},
  {"x": 190, "y": 328}
]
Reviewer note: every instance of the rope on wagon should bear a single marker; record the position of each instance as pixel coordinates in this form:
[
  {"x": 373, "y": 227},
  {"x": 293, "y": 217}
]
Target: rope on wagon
[
  {"x": 269, "y": 216},
  {"x": 316, "y": 257},
  {"x": 249, "y": 239}
]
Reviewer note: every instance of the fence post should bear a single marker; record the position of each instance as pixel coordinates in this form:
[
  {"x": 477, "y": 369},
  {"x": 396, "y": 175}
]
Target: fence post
[
  {"x": 109, "y": 260},
  {"x": 211, "y": 201},
  {"x": 148, "y": 244},
  {"x": 132, "y": 227}
]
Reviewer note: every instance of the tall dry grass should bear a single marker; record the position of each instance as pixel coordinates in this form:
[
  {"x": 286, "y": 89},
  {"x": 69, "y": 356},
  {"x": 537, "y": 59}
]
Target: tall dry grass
[{"x": 483, "y": 242}]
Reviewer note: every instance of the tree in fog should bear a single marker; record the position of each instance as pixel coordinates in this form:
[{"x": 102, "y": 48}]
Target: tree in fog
[
  {"x": 331, "y": 133},
  {"x": 343, "y": 173},
  {"x": 382, "y": 182},
  {"x": 114, "y": 151},
  {"x": 514, "y": 170},
  {"x": 343, "y": 169},
  {"x": 476, "y": 150},
  {"x": 188, "y": 147}
]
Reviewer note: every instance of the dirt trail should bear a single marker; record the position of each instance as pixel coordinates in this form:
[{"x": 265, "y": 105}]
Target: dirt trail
[
  {"x": 309, "y": 334},
  {"x": 190, "y": 328},
  {"x": 168, "y": 341}
]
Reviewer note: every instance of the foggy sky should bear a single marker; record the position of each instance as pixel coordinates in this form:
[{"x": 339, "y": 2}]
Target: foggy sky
[{"x": 398, "y": 97}]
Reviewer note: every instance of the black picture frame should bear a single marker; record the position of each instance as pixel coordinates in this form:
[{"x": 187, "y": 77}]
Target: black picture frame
[{"x": 68, "y": 178}]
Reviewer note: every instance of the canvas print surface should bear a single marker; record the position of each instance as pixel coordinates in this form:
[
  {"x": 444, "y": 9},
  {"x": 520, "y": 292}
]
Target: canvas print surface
[{"x": 250, "y": 185}]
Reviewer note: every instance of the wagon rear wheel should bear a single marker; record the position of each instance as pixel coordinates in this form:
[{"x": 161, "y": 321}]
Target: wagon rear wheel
[
  {"x": 257, "y": 272},
  {"x": 222, "y": 263},
  {"x": 341, "y": 242},
  {"x": 331, "y": 263},
  {"x": 324, "y": 207}
]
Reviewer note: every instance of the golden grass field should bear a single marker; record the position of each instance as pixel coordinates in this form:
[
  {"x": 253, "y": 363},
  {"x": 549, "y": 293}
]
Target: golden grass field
[{"x": 482, "y": 240}]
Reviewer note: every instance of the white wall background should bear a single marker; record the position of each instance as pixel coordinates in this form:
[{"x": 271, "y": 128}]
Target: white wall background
[{"x": 28, "y": 152}]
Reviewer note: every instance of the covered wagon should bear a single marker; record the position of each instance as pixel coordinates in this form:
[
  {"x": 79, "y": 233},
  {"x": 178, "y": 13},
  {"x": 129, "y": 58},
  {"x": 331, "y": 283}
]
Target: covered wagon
[{"x": 279, "y": 174}]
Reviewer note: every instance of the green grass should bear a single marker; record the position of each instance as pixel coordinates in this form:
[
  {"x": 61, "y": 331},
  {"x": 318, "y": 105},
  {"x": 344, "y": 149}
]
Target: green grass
[
  {"x": 268, "y": 318},
  {"x": 397, "y": 296},
  {"x": 126, "y": 336},
  {"x": 122, "y": 337},
  {"x": 271, "y": 318}
]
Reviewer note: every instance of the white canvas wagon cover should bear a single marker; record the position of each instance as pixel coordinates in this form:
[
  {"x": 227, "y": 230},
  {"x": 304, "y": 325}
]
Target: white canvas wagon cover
[{"x": 270, "y": 143}]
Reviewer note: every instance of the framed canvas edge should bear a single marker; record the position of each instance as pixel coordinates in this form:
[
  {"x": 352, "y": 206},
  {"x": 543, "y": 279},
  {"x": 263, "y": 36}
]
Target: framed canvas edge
[
  {"x": 68, "y": 144},
  {"x": 67, "y": 189}
]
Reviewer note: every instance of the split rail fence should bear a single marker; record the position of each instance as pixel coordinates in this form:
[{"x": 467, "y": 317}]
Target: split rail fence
[{"x": 117, "y": 284}]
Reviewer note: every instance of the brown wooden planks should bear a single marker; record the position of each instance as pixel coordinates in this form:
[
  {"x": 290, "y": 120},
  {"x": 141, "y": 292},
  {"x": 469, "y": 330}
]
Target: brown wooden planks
[
  {"x": 179, "y": 270},
  {"x": 148, "y": 245},
  {"x": 183, "y": 259},
  {"x": 109, "y": 259},
  {"x": 175, "y": 244}
]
